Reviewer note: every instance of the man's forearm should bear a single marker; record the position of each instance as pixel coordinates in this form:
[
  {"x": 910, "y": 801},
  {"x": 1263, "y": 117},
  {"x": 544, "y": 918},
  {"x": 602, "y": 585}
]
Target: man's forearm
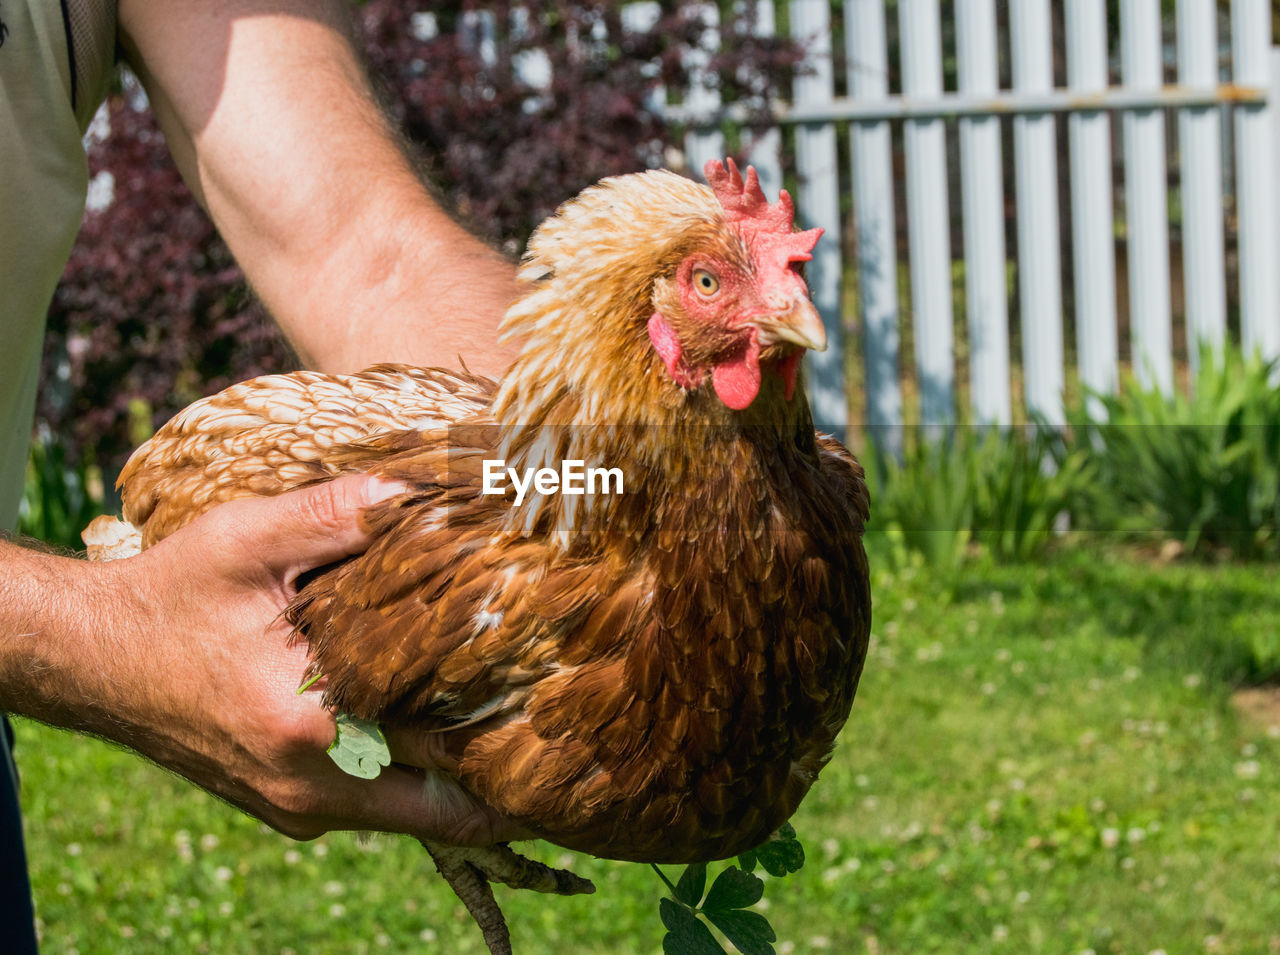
[
  {"x": 406, "y": 286},
  {"x": 72, "y": 648},
  {"x": 53, "y": 636},
  {"x": 268, "y": 112}
]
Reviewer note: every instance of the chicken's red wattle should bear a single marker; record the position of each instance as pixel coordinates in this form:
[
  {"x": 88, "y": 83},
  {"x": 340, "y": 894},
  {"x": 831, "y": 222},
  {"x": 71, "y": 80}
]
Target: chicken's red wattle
[{"x": 737, "y": 379}]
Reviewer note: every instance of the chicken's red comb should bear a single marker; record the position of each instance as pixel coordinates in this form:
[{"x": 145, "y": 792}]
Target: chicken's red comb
[
  {"x": 743, "y": 200},
  {"x": 767, "y": 227}
]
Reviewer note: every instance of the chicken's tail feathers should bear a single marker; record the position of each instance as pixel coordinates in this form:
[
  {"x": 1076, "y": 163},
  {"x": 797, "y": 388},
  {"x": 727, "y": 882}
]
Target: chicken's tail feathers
[{"x": 108, "y": 538}]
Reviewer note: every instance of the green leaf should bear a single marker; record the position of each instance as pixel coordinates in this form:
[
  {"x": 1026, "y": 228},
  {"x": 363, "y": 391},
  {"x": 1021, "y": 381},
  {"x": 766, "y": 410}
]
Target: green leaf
[
  {"x": 747, "y": 861},
  {"x": 360, "y": 748},
  {"x": 674, "y": 915},
  {"x": 750, "y": 932},
  {"x": 692, "y": 884},
  {"x": 733, "y": 889},
  {"x": 686, "y": 935},
  {"x": 782, "y": 854}
]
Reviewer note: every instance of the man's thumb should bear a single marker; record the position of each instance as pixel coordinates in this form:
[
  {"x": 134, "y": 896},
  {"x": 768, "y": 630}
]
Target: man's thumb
[{"x": 299, "y": 530}]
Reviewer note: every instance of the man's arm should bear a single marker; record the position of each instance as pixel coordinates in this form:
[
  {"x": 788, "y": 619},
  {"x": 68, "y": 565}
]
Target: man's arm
[
  {"x": 181, "y": 654},
  {"x": 270, "y": 117}
]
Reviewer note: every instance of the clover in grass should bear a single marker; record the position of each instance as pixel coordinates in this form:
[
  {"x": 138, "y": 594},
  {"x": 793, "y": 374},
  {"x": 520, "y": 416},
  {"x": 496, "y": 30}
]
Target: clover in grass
[{"x": 726, "y": 905}]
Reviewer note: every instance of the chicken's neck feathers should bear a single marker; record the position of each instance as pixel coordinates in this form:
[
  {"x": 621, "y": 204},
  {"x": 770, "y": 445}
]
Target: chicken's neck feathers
[{"x": 588, "y": 384}]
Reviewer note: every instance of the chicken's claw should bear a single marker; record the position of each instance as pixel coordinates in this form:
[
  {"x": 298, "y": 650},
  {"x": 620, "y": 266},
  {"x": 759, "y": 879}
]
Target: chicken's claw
[{"x": 469, "y": 872}]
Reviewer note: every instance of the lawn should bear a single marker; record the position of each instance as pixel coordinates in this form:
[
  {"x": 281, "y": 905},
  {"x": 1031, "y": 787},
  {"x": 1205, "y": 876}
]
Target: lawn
[{"x": 1041, "y": 758}]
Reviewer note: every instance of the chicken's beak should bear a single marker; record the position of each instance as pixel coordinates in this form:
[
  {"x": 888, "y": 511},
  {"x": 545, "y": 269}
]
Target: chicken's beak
[{"x": 798, "y": 324}]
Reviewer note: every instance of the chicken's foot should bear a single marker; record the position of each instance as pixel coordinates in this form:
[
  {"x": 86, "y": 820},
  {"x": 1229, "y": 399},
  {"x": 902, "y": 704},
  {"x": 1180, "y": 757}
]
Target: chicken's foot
[{"x": 469, "y": 872}]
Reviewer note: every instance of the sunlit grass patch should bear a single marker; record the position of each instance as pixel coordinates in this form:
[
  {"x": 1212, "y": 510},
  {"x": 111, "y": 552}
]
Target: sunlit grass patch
[{"x": 1041, "y": 759}]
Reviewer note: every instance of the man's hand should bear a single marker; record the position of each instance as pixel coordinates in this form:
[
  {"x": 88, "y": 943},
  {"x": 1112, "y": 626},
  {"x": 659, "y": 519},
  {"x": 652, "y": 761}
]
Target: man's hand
[{"x": 182, "y": 653}]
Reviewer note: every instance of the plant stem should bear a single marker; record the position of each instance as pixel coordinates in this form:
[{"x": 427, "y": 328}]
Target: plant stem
[{"x": 663, "y": 876}]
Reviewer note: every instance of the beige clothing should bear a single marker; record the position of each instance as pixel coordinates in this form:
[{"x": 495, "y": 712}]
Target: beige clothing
[{"x": 55, "y": 67}]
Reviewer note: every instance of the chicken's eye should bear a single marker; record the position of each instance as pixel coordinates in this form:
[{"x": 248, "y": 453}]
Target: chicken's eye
[{"x": 706, "y": 283}]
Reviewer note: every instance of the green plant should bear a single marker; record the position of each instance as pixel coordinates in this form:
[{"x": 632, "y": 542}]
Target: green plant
[
  {"x": 725, "y": 905},
  {"x": 922, "y": 504},
  {"x": 1202, "y": 468},
  {"x": 1021, "y": 488},
  {"x": 1001, "y": 489},
  {"x": 60, "y": 496}
]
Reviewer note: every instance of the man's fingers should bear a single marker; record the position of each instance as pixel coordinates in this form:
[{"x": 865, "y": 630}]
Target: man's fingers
[
  {"x": 420, "y": 750},
  {"x": 317, "y": 525},
  {"x": 415, "y": 795},
  {"x": 427, "y": 806}
]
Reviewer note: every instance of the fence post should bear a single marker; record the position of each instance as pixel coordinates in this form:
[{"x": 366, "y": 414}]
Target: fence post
[
  {"x": 1036, "y": 168},
  {"x": 1146, "y": 199},
  {"x": 1092, "y": 232},
  {"x": 703, "y": 143},
  {"x": 1255, "y": 178},
  {"x": 982, "y": 187},
  {"x": 763, "y": 147},
  {"x": 928, "y": 214},
  {"x": 871, "y": 160},
  {"x": 1273, "y": 96},
  {"x": 1199, "y": 140},
  {"x": 819, "y": 205}
]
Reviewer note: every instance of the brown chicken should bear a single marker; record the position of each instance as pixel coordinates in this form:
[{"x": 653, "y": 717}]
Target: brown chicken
[{"x": 657, "y": 674}]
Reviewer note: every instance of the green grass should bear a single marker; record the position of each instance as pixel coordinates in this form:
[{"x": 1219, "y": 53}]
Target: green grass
[{"x": 1041, "y": 759}]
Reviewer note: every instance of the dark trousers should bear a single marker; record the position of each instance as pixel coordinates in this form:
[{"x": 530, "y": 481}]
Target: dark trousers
[{"x": 17, "y": 920}]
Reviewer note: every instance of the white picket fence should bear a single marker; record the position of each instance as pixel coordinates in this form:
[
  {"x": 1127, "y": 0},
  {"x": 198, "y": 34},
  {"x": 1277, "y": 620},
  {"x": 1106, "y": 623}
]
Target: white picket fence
[
  {"x": 1221, "y": 104},
  {"x": 1219, "y": 86}
]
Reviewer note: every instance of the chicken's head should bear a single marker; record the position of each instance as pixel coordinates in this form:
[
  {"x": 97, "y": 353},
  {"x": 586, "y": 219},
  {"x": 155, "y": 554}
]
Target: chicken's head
[
  {"x": 737, "y": 306},
  {"x": 649, "y": 295}
]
